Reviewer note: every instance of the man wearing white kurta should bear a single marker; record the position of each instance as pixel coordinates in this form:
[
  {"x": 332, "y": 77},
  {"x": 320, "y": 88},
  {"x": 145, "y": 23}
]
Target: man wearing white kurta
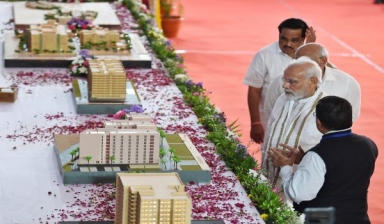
[
  {"x": 269, "y": 63},
  {"x": 292, "y": 121},
  {"x": 335, "y": 82}
]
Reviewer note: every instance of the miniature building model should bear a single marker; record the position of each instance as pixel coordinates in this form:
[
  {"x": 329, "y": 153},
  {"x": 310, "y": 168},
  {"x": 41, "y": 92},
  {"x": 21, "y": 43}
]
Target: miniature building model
[
  {"x": 40, "y": 5},
  {"x": 8, "y": 94},
  {"x": 47, "y": 37},
  {"x": 99, "y": 35},
  {"x": 151, "y": 198},
  {"x": 125, "y": 124},
  {"x": 130, "y": 142},
  {"x": 63, "y": 19},
  {"x": 106, "y": 80},
  {"x": 62, "y": 16}
]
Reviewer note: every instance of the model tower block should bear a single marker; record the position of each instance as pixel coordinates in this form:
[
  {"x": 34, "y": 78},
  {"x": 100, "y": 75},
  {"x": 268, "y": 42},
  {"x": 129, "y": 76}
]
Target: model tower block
[
  {"x": 128, "y": 141},
  {"x": 151, "y": 198},
  {"x": 98, "y": 36},
  {"x": 48, "y": 37},
  {"x": 131, "y": 124},
  {"x": 106, "y": 80}
]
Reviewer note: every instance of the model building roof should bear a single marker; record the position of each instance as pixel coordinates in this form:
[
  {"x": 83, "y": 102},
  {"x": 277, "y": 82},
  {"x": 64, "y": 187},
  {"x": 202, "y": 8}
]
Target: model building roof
[
  {"x": 155, "y": 185},
  {"x": 118, "y": 131}
]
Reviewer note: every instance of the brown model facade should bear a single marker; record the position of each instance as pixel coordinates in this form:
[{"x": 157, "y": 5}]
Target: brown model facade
[
  {"x": 151, "y": 198},
  {"x": 106, "y": 80},
  {"x": 49, "y": 37},
  {"x": 100, "y": 35}
]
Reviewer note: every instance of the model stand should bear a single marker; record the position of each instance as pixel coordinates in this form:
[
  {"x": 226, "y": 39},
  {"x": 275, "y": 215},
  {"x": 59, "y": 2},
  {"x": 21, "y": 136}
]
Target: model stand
[
  {"x": 85, "y": 106},
  {"x": 137, "y": 57},
  {"x": 192, "y": 166}
]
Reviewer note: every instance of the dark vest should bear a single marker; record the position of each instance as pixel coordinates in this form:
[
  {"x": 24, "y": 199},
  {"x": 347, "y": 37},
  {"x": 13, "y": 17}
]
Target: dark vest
[{"x": 350, "y": 162}]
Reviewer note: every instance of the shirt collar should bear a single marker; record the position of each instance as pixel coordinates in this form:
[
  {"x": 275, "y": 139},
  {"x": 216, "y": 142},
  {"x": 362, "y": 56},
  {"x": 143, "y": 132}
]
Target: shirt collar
[
  {"x": 337, "y": 133},
  {"x": 328, "y": 75}
]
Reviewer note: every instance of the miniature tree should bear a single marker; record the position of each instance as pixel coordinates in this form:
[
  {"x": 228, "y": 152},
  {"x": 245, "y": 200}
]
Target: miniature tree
[
  {"x": 164, "y": 161},
  {"x": 88, "y": 158},
  {"x": 171, "y": 151},
  {"x": 78, "y": 151},
  {"x": 176, "y": 160},
  {"x": 162, "y": 152},
  {"x": 73, "y": 153},
  {"x": 112, "y": 158},
  {"x": 162, "y": 135}
]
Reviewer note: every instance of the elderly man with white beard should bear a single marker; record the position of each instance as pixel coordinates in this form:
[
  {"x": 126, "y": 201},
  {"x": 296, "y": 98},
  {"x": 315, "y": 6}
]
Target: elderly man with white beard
[{"x": 292, "y": 121}]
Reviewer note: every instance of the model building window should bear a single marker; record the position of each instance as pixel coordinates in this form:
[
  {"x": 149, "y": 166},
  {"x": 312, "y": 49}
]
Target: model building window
[{"x": 97, "y": 161}]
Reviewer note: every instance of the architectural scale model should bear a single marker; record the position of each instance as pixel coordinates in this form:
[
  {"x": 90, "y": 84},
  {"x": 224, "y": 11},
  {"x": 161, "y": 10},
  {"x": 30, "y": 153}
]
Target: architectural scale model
[
  {"x": 41, "y": 5},
  {"x": 47, "y": 38},
  {"x": 80, "y": 167},
  {"x": 48, "y": 46},
  {"x": 134, "y": 141},
  {"x": 102, "y": 41},
  {"x": 62, "y": 16},
  {"x": 100, "y": 35},
  {"x": 106, "y": 80},
  {"x": 8, "y": 94},
  {"x": 151, "y": 198}
]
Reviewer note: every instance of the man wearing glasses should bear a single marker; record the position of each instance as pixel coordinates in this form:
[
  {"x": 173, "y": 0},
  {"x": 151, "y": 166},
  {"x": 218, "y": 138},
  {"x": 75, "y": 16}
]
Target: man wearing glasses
[
  {"x": 335, "y": 82},
  {"x": 270, "y": 63},
  {"x": 292, "y": 121}
]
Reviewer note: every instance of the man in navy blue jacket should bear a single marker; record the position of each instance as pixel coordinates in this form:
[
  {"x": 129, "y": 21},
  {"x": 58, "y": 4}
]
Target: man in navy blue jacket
[{"x": 336, "y": 172}]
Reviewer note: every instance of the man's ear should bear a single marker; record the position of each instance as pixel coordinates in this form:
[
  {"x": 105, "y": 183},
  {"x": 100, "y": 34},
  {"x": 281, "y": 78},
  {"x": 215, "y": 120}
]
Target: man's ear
[
  {"x": 320, "y": 126},
  {"x": 314, "y": 80},
  {"x": 324, "y": 61}
]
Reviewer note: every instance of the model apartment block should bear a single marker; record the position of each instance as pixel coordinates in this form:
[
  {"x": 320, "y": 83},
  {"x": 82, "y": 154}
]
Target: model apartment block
[
  {"x": 99, "y": 35},
  {"x": 151, "y": 198},
  {"x": 106, "y": 80},
  {"x": 132, "y": 142},
  {"x": 47, "y": 37}
]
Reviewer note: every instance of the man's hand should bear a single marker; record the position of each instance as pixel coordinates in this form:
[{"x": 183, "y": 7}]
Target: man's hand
[
  {"x": 289, "y": 151},
  {"x": 279, "y": 159},
  {"x": 257, "y": 133},
  {"x": 310, "y": 35}
]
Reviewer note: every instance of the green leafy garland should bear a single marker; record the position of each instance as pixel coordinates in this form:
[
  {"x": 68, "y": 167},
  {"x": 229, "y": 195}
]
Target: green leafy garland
[{"x": 228, "y": 146}]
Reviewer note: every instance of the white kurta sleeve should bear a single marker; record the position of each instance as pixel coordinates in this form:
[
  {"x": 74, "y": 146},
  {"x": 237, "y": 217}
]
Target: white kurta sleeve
[
  {"x": 274, "y": 91},
  {"x": 305, "y": 183}
]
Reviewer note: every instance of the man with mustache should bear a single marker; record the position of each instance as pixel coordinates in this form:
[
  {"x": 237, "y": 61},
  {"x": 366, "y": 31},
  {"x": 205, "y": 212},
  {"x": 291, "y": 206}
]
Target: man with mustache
[
  {"x": 292, "y": 121},
  {"x": 269, "y": 63},
  {"x": 335, "y": 82}
]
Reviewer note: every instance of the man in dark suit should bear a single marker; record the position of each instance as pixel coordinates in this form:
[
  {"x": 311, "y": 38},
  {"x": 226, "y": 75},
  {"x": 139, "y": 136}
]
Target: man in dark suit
[{"x": 336, "y": 172}]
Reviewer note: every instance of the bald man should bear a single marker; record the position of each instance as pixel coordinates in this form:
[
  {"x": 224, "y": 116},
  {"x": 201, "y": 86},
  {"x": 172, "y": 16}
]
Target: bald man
[{"x": 335, "y": 82}]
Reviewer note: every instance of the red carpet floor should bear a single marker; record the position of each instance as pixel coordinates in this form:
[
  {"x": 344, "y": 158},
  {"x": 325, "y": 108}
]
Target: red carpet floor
[{"x": 220, "y": 38}]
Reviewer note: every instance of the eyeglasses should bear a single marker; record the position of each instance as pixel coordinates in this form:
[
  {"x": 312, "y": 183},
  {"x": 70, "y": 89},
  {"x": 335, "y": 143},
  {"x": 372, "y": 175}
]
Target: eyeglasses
[{"x": 290, "y": 81}]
